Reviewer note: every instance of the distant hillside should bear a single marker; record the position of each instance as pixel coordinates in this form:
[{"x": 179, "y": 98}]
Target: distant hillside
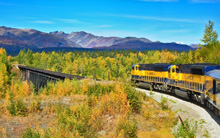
[
  {"x": 13, "y": 40},
  {"x": 140, "y": 45},
  {"x": 30, "y": 38},
  {"x": 195, "y": 46},
  {"x": 88, "y": 40}
]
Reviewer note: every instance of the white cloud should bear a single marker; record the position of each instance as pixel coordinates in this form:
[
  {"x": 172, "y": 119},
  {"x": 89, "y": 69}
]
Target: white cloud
[
  {"x": 8, "y": 4},
  {"x": 204, "y": 1},
  {"x": 160, "y": 0},
  {"x": 156, "y": 18},
  {"x": 43, "y": 22},
  {"x": 114, "y": 33},
  {"x": 71, "y": 21},
  {"x": 104, "y": 26},
  {"x": 175, "y": 31}
]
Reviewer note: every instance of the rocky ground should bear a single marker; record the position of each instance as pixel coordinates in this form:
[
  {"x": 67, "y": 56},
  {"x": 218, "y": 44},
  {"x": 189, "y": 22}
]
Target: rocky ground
[{"x": 208, "y": 122}]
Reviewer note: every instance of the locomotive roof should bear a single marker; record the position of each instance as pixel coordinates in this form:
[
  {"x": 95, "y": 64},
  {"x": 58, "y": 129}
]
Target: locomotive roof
[
  {"x": 156, "y": 64},
  {"x": 162, "y": 66},
  {"x": 156, "y": 67},
  {"x": 197, "y": 68},
  {"x": 203, "y": 64},
  {"x": 214, "y": 73},
  {"x": 146, "y": 66},
  {"x": 134, "y": 65}
]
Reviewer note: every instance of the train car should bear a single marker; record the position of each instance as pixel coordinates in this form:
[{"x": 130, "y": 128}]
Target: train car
[
  {"x": 151, "y": 75},
  {"x": 198, "y": 82},
  {"x": 213, "y": 90},
  {"x": 190, "y": 80}
]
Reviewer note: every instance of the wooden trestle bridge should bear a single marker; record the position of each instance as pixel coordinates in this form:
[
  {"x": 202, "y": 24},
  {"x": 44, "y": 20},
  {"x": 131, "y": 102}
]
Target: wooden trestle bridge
[{"x": 40, "y": 77}]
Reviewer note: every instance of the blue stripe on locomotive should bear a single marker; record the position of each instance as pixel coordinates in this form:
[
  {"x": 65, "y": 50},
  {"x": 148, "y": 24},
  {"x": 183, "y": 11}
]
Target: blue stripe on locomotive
[{"x": 134, "y": 76}]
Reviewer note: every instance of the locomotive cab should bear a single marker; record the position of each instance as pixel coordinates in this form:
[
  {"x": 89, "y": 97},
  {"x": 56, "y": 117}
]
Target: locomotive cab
[
  {"x": 135, "y": 72},
  {"x": 172, "y": 72}
]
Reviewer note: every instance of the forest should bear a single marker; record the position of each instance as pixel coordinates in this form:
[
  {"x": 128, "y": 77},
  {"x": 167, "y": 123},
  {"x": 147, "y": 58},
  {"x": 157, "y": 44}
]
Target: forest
[{"x": 87, "y": 108}]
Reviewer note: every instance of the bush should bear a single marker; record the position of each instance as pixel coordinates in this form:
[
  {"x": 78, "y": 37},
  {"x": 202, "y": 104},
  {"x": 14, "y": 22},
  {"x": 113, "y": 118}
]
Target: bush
[
  {"x": 164, "y": 103},
  {"x": 62, "y": 88},
  {"x": 183, "y": 132},
  {"x": 75, "y": 120},
  {"x": 99, "y": 89},
  {"x": 17, "y": 107},
  {"x": 128, "y": 128},
  {"x": 36, "y": 105},
  {"x": 31, "y": 133},
  {"x": 134, "y": 98},
  {"x": 48, "y": 134}
]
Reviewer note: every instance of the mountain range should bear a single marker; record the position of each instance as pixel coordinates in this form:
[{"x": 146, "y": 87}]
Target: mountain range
[
  {"x": 13, "y": 40},
  {"x": 88, "y": 40}
]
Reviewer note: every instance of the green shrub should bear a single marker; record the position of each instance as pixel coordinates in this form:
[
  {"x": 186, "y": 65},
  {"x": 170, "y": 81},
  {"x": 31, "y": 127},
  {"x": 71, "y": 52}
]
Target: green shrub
[
  {"x": 181, "y": 131},
  {"x": 99, "y": 89},
  {"x": 17, "y": 106},
  {"x": 92, "y": 101},
  {"x": 164, "y": 103},
  {"x": 151, "y": 91},
  {"x": 31, "y": 133},
  {"x": 36, "y": 105},
  {"x": 76, "y": 120},
  {"x": 65, "y": 88},
  {"x": 134, "y": 98},
  {"x": 129, "y": 128},
  {"x": 143, "y": 96},
  {"x": 47, "y": 133}
]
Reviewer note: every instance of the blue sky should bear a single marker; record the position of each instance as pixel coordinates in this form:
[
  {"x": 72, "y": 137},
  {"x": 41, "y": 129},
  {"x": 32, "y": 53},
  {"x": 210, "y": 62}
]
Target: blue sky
[{"x": 157, "y": 20}]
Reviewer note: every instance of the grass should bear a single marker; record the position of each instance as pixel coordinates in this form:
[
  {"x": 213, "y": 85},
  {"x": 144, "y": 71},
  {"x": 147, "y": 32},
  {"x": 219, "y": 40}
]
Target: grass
[
  {"x": 182, "y": 131},
  {"x": 164, "y": 103},
  {"x": 31, "y": 133},
  {"x": 193, "y": 128},
  {"x": 127, "y": 128},
  {"x": 16, "y": 106}
]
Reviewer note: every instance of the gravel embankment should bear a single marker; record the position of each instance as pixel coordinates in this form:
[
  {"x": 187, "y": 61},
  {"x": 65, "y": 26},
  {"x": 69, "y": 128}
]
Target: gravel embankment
[{"x": 192, "y": 112}]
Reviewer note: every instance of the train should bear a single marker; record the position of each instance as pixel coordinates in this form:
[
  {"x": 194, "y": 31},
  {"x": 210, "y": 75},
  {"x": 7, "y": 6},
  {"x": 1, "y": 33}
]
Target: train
[{"x": 198, "y": 82}]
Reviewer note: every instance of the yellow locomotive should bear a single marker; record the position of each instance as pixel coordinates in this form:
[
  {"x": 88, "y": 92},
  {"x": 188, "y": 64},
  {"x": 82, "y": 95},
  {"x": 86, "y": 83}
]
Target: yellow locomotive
[{"x": 198, "y": 82}]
